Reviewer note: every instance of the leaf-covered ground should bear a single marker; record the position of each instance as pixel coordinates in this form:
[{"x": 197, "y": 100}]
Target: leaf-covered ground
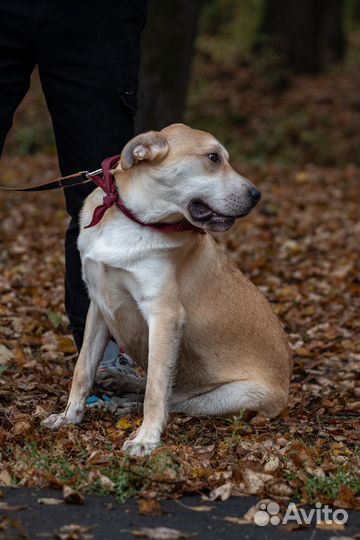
[{"x": 299, "y": 246}]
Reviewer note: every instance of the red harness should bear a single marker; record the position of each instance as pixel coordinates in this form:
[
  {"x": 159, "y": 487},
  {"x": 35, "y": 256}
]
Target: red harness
[{"x": 107, "y": 184}]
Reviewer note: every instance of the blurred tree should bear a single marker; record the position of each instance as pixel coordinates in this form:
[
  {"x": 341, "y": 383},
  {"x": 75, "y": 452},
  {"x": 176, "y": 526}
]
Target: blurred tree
[
  {"x": 307, "y": 34},
  {"x": 167, "y": 52}
]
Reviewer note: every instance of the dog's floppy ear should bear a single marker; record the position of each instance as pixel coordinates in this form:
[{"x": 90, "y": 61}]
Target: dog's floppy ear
[{"x": 148, "y": 146}]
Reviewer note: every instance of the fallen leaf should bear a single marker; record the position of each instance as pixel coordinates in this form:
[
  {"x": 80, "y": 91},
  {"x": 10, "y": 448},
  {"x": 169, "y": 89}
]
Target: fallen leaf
[
  {"x": 237, "y": 521},
  {"x": 149, "y": 507},
  {"x": 40, "y": 412},
  {"x": 344, "y": 537},
  {"x": 21, "y": 427},
  {"x": 161, "y": 533},
  {"x": 74, "y": 532},
  {"x": 330, "y": 526},
  {"x": 5, "y": 478},
  {"x": 12, "y": 507},
  {"x": 302, "y": 176},
  {"x": 72, "y": 496},
  {"x": 124, "y": 423},
  {"x": 98, "y": 457},
  {"x": 66, "y": 345},
  {"x": 104, "y": 480},
  {"x": 281, "y": 489},
  {"x": 249, "y": 515},
  {"x": 54, "y": 318},
  {"x": 222, "y": 492},
  {"x": 272, "y": 464},
  {"x": 50, "y": 501},
  {"x": 255, "y": 481},
  {"x": 5, "y": 354},
  {"x": 204, "y": 449},
  {"x": 200, "y": 508}
]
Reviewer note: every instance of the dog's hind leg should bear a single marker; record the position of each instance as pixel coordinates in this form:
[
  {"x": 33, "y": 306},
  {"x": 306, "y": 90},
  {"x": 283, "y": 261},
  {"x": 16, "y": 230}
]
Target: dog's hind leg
[
  {"x": 232, "y": 398},
  {"x": 95, "y": 340}
]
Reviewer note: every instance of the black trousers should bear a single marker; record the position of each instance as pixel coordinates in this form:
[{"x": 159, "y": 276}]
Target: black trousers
[{"x": 87, "y": 54}]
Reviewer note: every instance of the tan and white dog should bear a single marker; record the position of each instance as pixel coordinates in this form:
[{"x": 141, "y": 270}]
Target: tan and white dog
[{"x": 208, "y": 339}]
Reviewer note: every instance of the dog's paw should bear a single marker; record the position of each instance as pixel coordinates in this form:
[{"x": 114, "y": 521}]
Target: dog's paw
[
  {"x": 56, "y": 421},
  {"x": 139, "y": 446}
]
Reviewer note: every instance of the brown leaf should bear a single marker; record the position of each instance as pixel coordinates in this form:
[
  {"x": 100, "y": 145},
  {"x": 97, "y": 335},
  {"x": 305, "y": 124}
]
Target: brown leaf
[
  {"x": 280, "y": 489},
  {"x": 21, "y": 426},
  {"x": 346, "y": 497},
  {"x": 200, "y": 508},
  {"x": 50, "y": 501},
  {"x": 12, "y": 507},
  {"x": 300, "y": 454},
  {"x": 236, "y": 520},
  {"x": 272, "y": 464},
  {"x": 98, "y": 457},
  {"x": 104, "y": 480},
  {"x": 5, "y": 355},
  {"x": 74, "y": 532},
  {"x": 71, "y": 496},
  {"x": 330, "y": 526},
  {"x": 222, "y": 492},
  {"x": 161, "y": 533},
  {"x": 5, "y": 478},
  {"x": 66, "y": 345},
  {"x": 149, "y": 507},
  {"x": 255, "y": 481}
]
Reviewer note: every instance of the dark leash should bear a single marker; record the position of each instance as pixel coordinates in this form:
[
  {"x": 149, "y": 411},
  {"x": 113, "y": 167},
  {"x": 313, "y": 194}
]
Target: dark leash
[
  {"x": 71, "y": 180},
  {"x": 104, "y": 179}
]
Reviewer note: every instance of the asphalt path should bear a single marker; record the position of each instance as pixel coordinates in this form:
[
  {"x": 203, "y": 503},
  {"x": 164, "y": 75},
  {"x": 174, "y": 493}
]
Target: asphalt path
[{"x": 104, "y": 518}]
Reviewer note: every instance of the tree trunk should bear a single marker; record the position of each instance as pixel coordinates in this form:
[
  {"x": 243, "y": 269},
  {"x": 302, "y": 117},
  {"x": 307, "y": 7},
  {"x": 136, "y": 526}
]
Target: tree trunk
[
  {"x": 307, "y": 34},
  {"x": 332, "y": 32},
  {"x": 167, "y": 51}
]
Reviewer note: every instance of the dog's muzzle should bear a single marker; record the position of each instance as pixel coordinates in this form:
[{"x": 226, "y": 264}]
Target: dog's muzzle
[
  {"x": 201, "y": 212},
  {"x": 204, "y": 214}
]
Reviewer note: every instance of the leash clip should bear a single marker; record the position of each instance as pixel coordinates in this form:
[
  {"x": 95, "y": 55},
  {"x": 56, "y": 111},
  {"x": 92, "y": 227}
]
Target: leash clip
[{"x": 89, "y": 174}]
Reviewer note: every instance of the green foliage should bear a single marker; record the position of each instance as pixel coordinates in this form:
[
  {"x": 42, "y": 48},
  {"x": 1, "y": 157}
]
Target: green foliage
[
  {"x": 55, "y": 318},
  {"x": 3, "y": 368},
  {"x": 228, "y": 27},
  {"x": 329, "y": 486}
]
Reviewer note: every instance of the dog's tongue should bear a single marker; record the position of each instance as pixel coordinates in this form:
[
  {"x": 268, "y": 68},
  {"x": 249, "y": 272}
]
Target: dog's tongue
[{"x": 200, "y": 211}]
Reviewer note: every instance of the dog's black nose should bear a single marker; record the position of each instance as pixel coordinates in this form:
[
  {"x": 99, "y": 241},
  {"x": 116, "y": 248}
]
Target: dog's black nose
[{"x": 255, "y": 194}]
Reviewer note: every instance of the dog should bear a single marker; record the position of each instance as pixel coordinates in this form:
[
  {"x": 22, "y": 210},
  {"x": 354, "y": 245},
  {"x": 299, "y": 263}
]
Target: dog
[{"x": 207, "y": 338}]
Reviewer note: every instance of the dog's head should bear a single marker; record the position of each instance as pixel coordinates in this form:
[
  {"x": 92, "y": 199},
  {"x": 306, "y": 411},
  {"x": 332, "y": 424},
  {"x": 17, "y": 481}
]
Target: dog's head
[{"x": 186, "y": 171}]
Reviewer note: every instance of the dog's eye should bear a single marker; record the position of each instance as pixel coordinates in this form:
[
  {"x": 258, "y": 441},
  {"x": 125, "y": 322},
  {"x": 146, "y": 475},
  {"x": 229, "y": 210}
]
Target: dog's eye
[{"x": 214, "y": 156}]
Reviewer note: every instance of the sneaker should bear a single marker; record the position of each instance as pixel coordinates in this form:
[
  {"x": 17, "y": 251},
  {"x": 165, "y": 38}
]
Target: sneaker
[{"x": 115, "y": 360}]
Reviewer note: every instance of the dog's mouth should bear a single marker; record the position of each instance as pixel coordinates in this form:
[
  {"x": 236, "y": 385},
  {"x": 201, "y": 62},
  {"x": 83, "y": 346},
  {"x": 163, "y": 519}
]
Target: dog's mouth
[{"x": 202, "y": 213}]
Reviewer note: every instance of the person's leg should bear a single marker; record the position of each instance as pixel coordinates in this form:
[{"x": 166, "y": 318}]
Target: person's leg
[
  {"x": 88, "y": 64},
  {"x": 17, "y": 58}
]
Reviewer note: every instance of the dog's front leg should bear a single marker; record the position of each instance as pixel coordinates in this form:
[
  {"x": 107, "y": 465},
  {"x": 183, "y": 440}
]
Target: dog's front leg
[
  {"x": 165, "y": 330},
  {"x": 95, "y": 340}
]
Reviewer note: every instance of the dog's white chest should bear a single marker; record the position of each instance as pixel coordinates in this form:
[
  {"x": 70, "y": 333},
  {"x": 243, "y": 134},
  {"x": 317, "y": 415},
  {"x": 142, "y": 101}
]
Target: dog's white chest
[{"x": 119, "y": 261}]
